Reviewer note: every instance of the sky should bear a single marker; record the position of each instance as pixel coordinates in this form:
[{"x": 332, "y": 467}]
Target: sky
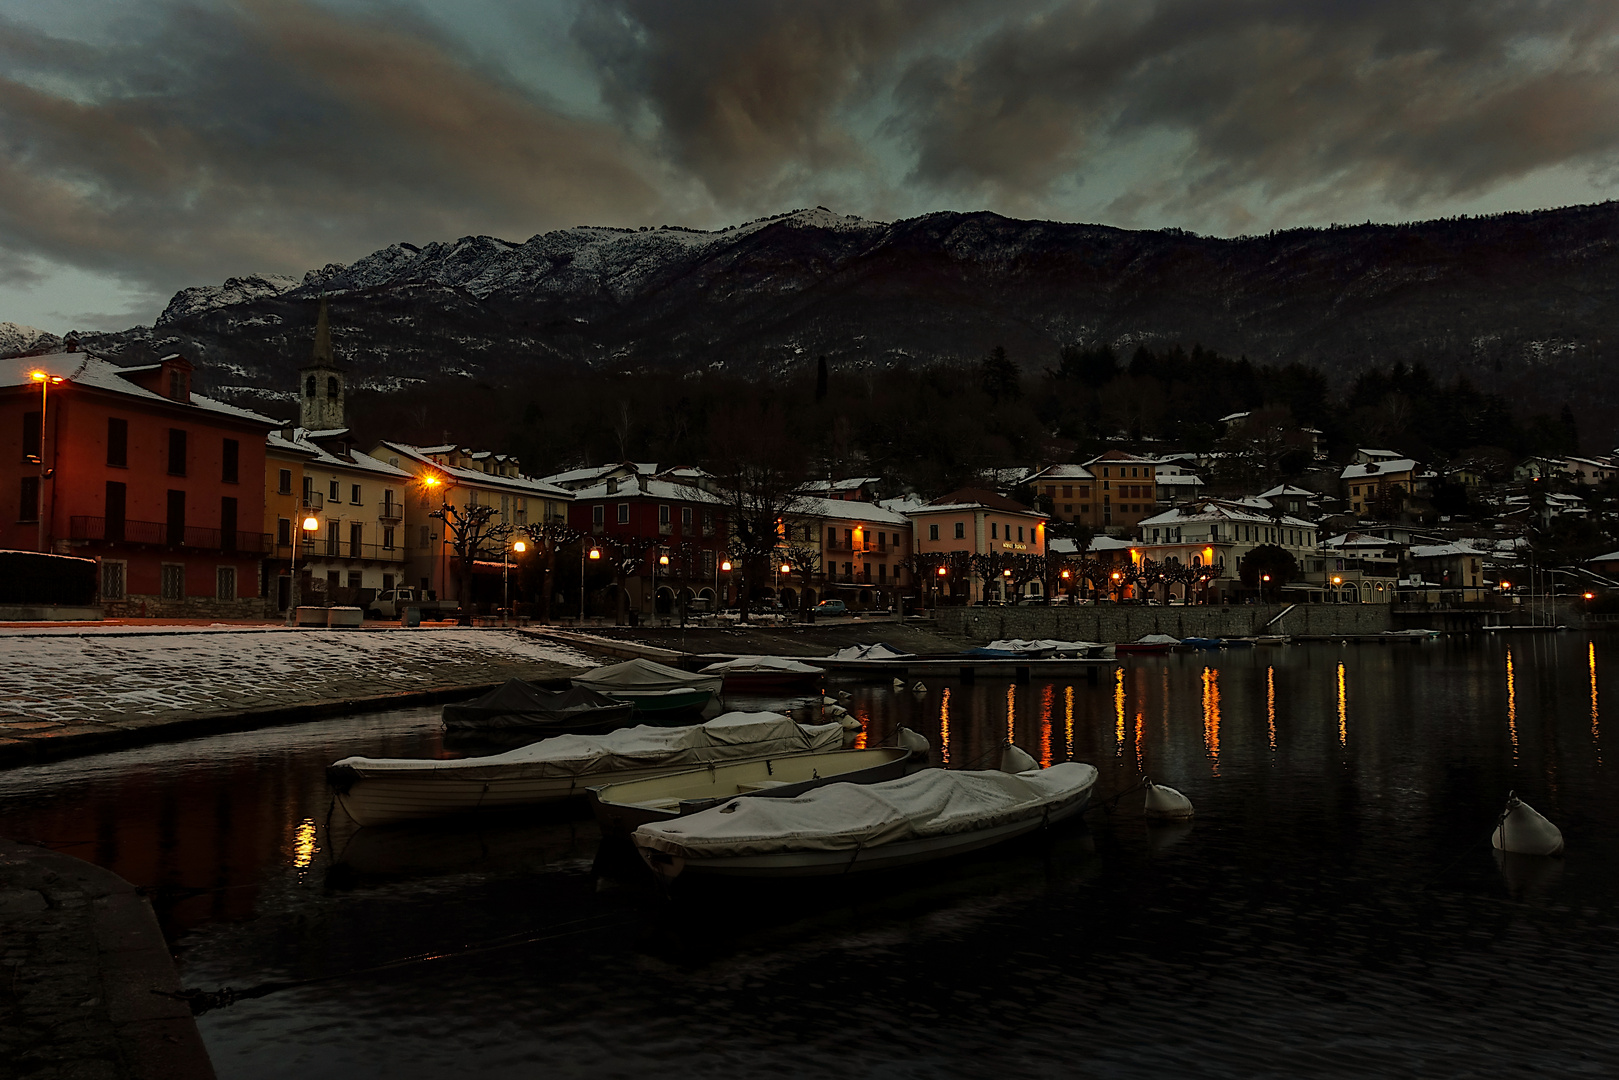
[{"x": 149, "y": 145}]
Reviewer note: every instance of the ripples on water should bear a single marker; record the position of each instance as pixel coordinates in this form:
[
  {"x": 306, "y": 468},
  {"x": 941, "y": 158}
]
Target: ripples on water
[{"x": 1334, "y": 909}]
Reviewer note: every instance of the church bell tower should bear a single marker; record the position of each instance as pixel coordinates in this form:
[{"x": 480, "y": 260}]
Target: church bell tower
[{"x": 321, "y": 383}]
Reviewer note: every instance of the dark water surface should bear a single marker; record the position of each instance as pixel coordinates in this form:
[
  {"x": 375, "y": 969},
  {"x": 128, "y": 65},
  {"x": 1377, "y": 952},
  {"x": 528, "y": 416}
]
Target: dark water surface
[{"x": 1334, "y": 910}]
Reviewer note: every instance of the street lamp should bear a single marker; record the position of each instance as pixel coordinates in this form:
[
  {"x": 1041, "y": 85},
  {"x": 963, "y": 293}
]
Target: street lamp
[
  {"x": 307, "y": 526},
  {"x": 505, "y": 579},
  {"x": 46, "y": 381},
  {"x": 725, "y": 565},
  {"x": 661, "y": 560},
  {"x": 593, "y": 554}
]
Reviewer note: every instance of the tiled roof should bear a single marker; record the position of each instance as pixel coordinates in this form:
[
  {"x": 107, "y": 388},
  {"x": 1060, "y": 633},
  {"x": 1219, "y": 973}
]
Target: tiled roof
[{"x": 82, "y": 369}]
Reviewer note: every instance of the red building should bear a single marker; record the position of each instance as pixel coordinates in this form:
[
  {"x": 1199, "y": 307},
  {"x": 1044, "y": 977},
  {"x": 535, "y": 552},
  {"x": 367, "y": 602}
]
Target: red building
[
  {"x": 672, "y": 533},
  {"x": 162, "y": 487}
]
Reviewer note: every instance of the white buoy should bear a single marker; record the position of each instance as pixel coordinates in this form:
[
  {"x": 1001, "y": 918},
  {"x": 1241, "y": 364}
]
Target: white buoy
[
  {"x": 1165, "y": 803},
  {"x": 913, "y": 741},
  {"x": 1014, "y": 760},
  {"x": 899, "y": 684},
  {"x": 920, "y": 687},
  {"x": 1522, "y": 831},
  {"x": 844, "y": 695}
]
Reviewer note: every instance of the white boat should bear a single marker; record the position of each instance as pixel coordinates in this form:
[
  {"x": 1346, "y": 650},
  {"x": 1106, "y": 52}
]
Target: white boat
[
  {"x": 624, "y": 806},
  {"x": 765, "y": 673},
  {"x": 845, "y": 828},
  {"x": 652, "y": 687},
  {"x": 375, "y": 791}
]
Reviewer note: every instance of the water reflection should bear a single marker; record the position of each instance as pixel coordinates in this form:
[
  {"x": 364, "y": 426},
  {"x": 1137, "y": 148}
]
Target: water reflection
[
  {"x": 304, "y": 844},
  {"x": 1011, "y": 712},
  {"x": 1343, "y": 709},
  {"x": 1045, "y": 725},
  {"x": 1596, "y": 725},
  {"x": 1270, "y": 704},
  {"x": 944, "y": 726},
  {"x": 1068, "y": 722},
  {"x": 1512, "y": 707},
  {"x": 1211, "y": 717},
  {"x": 1118, "y": 712}
]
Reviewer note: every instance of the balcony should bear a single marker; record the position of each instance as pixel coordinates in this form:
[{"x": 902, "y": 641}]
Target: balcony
[
  {"x": 392, "y": 513},
  {"x": 312, "y": 500},
  {"x": 319, "y": 548},
  {"x": 97, "y": 530},
  {"x": 665, "y": 528}
]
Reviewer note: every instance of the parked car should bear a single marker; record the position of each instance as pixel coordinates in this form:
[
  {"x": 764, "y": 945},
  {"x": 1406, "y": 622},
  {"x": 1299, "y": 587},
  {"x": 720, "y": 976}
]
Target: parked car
[
  {"x": 391, "y": 604},
  {"x": 831, "y": 607}
]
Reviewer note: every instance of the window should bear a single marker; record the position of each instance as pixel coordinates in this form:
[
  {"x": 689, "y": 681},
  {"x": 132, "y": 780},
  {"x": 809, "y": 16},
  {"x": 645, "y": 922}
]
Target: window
[
  {"x": 283, "y": 532},
  {"x": 961, "y": 530},
  {"x": 177, "y": 385},
  {"x": 882, "y": 541},
  {"x": 225, "y": 583},
  {"x": 1105, "y": 471},
  {"x": 425, "y": 539},
  {"x": 708, "y": 564},
  {"x": 331, "y": 388},
  {"x": 177, "y": 452},
  {"x": 663, "y": 517},
  {"x": 31, "y": 430},
  {"x": 176, "y": 520},
  {"x": 332, "y": 489},
  {"x": 113, "y": 576},
  {"x": 356, "y": 539},
  {"x": 882, "y": 573},
  {"x": 685, "y": 521},
  {"x": 1068, "y": 491},
  {"x": 28, "y": 499},
  {"x": 232, "y": 459},
  {"x": 173, "y": 585},
  {"x": 387, "y": 538},
  {"x": 1020, "y": 534},
  {"x": 387, "y": 582},
  {"x": 933, "y": 532},
  {"x": 355, "y": 579},
  {"x": 117, "y": 443},
  {"x": 994, "y": 530},
  {"x": 1084, "y": 491},
  {"x": 334, "y": 537},
  {"x": 284, "y": 483},
  {"x": 354, "y": 494},
  {"x": 521, "y": 509},
  {"x": 623, "y": 513},
  {"x": 113, "y": 511},
  {"x": 598, "y": 514}
]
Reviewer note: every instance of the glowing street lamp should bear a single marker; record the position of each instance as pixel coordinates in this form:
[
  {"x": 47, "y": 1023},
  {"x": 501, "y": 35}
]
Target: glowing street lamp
[
  {"x": 45, "y": 381},
  {"x": 505, "y": 578},
  {"x": 307, "y": 527},
  {"x": 593, "y": 554}
]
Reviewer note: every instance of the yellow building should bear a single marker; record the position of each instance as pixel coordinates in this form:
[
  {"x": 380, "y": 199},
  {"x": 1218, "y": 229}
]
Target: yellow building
[{"x": 977, "y": 522}]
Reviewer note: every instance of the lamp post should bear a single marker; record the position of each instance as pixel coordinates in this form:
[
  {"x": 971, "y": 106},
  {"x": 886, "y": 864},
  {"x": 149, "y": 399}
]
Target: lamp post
[
  {"x": 1006, "y": 576},
  {"x": 725, "y": 565},
  {"x": 938, "y": 587},
  {"x": 1336, "y": 581},
  {"x": 594, "y": 553},
  {"x": 519, "y": 547},
  {"x": 308, "y": 524},
  {"x": 661, "y": 560},
  {"x": 46, "y": 381},
  {"x": 432, "y": 482}
]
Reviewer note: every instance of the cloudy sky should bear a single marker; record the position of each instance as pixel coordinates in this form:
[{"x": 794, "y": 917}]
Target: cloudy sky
[{"x": 150, "y": 144}]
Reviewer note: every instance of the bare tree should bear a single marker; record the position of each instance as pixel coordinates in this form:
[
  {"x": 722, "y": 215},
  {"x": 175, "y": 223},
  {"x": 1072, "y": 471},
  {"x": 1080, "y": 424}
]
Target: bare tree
[
  {"x": 470, "y": 529},
  {"x": 760, "y": 469}
]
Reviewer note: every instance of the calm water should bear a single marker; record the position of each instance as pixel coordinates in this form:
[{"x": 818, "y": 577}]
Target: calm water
[{"x": 1335, "y": 908}]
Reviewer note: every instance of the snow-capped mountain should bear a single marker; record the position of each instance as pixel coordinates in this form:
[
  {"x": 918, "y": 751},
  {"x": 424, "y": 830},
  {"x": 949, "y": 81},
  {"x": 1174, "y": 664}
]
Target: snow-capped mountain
[
  {"x": 1523, "y": 303},
  {"x": 15, "y": 339}
]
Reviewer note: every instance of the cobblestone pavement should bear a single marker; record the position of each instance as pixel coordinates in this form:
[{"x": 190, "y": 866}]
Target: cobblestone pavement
[
  {"x": 86, "y": 977},
  {"x": 56, "y": 686}
]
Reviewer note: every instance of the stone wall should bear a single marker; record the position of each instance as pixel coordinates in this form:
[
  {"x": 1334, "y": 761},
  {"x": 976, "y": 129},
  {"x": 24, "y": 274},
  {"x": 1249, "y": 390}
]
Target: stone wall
[
  {"x": 136, "y": 606},
  {"x": 1127, "y": 622}
]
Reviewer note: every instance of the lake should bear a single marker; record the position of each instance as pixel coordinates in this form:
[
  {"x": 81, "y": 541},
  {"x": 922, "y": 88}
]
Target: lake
[{"x": 1334, "y": 909}]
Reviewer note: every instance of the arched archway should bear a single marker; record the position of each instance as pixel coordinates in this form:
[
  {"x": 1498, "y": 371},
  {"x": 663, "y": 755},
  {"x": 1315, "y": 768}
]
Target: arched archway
[
  {"x": 789, "y": 599},
  {"x": 1349, "y": 594},
  {"x": 865, "y": 598},
  {"x": 810, "y": 598},
  {"x": 663, "y": 602}
]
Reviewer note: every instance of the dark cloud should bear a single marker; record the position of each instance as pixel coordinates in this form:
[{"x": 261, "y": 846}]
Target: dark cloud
[{"x": 277, "y": 136}]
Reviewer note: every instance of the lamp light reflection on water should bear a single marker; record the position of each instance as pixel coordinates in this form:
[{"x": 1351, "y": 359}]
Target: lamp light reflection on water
[
  {"x": 1596, "y": 727},
  {"x": 944, "y": 728},
  {"x": 1512, "y": 707},
  {"x": 304, "y": 846},
  {"x": 1211, "y": 717},
  {"x": 1045, "y": 726},
  {"x": 1270, "y": 704},
  {"x": 1011, "y": 713},
  {"x": 1343, "y": 709},
  {"x": 1118, "y": 710},
  {"x": 1068, "y": 722}
]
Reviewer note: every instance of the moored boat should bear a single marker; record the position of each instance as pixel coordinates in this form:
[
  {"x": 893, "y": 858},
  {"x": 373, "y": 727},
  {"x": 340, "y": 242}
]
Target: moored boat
[
  {"x": 519, "y": 705},
  {"x": 652, "y": 687},
  {"x": 845, "y": 828},
  {"x": 375, "y": 791},
  {"x": 766, "y": 673},
  {"x": 623, "y": 807},
  {"x": 1148, "y": 643}
]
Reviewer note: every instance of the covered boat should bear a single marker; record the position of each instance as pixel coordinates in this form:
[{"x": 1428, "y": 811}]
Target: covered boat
[
  {"x": 652, "y": 687},
  {"x": 623, "y": 807},
  {"x": 876, "y": 651},
  {"x": 375, "y": 791},
  {"x": 766, "y": 673},
  {"x": 843, "y": 828},
  {"x": 1148, "y": 643},
  {"x": 522, "y": 705}
]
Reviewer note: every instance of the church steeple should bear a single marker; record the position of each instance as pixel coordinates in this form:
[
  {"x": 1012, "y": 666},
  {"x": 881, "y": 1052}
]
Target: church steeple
[{"x": 321, "y": 382}]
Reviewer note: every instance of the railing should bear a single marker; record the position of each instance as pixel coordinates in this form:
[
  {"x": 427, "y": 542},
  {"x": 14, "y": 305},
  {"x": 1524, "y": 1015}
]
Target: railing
[
  {"x": 392, "y": 513},
  {"x": 320, "y": 549},
  {"x": 313, "y": 500},
  {"x": 160, "y": 534},
  {"x": 665, "y": 528}
]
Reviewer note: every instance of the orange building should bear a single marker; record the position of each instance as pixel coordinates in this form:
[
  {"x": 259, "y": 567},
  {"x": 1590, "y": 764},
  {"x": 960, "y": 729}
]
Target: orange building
[
  {"x": 976, "y": 522},
  {"x": 162, "y": 487}
]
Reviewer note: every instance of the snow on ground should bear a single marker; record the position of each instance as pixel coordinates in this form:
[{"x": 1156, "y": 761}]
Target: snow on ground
[{"x": 109, "y": 677}]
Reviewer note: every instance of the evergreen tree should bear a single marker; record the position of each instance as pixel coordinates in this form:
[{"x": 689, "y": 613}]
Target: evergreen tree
[{"x": 999, "y": 376}]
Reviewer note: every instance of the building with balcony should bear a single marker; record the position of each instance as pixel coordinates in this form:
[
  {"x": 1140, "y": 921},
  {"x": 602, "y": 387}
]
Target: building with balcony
[
  {"x": 973, "y": 521},
  {"x": 666, "y": 540},
  {"x": 452, "y": 475},
  {"x": 1124, "y": 492},
  {"x": 162, "y": 487},
  {"x": 1214, "y": 537},
  {"x": 843, "y": 548}
]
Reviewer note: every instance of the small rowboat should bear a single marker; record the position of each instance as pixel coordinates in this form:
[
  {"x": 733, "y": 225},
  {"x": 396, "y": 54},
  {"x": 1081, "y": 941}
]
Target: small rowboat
[
  {"x": 845, "y": 828},
  {"x": 377, "y": 791},
  {"x": 518, "y": 706},
  {"x": 624, "y": 807},
  {"x": 766, "y": 673},
  {"x": 652, "y": 687},
  {"x": 1150, "y": 643}
]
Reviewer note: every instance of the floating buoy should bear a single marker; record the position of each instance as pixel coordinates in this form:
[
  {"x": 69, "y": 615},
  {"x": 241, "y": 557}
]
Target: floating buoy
[
  {"x": 920, "y": 687},
  {"x": 1522, "y": 831},
  {"x": 1165, "y": 803},
  {"x": 899, "y": 684},
  {"x": 913, "y": 741},
  {"x": 1014, "y": 760},
  {"x": 844, "y": 695}
]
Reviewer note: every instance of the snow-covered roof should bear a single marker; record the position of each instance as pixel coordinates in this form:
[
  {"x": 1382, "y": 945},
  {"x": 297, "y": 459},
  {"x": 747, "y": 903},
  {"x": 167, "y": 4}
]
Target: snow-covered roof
[
  {"x": 646, "y": 487},
  {"x": 303, "y": 443},
  {"x": 1178, "y": 480},
  {"x": 1381, "y": 455},
  {"x": 1223, "y": 511},
  {"x": 82, "y": 369},
  {"x": 1061, "y": 472},
  {"x": 1381, "y": 467},
  {"x": 1359, "y": 540},
  {"x": 421, "y": 455},
  {"x": 1612, "y": 556},
  {"x": 1063, "y": 545},
  {"x": 1230, "y": 417},
  {"x": 851, "y": 483},
  {"x": 1114, "y": 457},
  {"x": 848, "y": 510},
  {"x": 1440, "y": 551},
  {"x": 1287, "y": 491},
  {"x": 976, "y": 499}
]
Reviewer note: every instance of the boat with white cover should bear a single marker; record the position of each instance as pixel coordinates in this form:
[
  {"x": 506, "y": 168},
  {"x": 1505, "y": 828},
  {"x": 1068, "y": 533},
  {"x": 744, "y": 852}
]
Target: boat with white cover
[
  {"x": 624, "y": 806},
  {"x": 766, "y": 673},
  {"x": 845, "y": 828},
  {"x": 652, "y": 687},
  {"x": 375, "y": 791}
]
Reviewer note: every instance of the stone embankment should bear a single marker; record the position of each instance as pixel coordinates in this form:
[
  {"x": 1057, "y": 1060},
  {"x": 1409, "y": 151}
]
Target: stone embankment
[
  {"x": 88, "y": 989},
  {"x": 1129, "y": 622},
  {"x": 67, "y": 693}
]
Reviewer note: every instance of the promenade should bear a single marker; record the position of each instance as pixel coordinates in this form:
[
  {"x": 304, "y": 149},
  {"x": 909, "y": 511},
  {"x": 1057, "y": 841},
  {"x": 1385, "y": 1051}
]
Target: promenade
[{"x": 76, "y": 690}]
